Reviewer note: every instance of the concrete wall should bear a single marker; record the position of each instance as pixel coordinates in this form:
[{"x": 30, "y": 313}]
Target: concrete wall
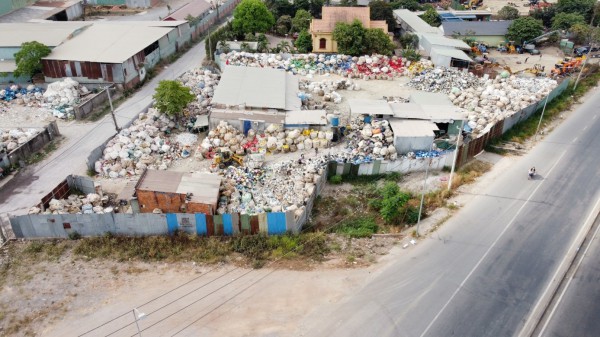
[
  {"x": 440, "y": 60},
  {"x": 32, "y": 146},
  {"x": 94, "y": 101},
  {"x": 408, "y": 144},
  {"x": 7, "y": 6},
  {"x": 8, "y": 53},
  {"x": 74, "y": 12}
]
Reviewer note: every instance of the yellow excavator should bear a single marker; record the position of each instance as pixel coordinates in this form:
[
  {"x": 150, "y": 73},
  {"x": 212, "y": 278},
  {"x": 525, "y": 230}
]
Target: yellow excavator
[
  {"x": 473, "y": 4},
  {"x": 224, "y": 158}
]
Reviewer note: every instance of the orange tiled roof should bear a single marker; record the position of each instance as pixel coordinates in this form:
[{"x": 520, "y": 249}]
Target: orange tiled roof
[{"x": 332, "y": 15}]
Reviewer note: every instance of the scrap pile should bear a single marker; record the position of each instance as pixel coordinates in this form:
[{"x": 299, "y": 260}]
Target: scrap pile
[
  {"x": 145, "y": 144},
  {"x": 11, "y": 139},
  {"x": 487, "y": 100},
  {"x": 274, "y": 139},
  {"x": 325, "y": 89},
  {"x": 365, "y": 67},
  {"x": 284, "y": 186},
  {"x": 77, "y": 204},
  {"x": 202, "y": 82},
  {"x": 370, "y": 141},
  {"x": 61, "y": 96},
  {"x": 20, "y": 94}
]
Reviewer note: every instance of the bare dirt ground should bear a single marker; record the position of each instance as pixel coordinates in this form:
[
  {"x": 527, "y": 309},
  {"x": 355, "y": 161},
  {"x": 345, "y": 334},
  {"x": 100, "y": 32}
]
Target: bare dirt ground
[{"x": 495, "y": 5}]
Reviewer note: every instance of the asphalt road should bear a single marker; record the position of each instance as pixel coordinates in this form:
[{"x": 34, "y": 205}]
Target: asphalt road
[
  {"x": 484, "y": 272},
  {"x": 29, "y": 186},
  {"x": 578, "y": 304}
]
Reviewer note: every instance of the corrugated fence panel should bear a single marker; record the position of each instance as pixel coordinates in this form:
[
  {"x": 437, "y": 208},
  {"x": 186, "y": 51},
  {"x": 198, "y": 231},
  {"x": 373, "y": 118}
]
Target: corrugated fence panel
[
  {"x": 227, "y": 224},
  {"x": 376, "y": 167},
  {"x": 245, "y": 224},
  {"x": 172, "y": 224},
  {"x": 210, "y": 225},
  {"x": 235, "y": 223},
  {"x": 276, "y": 223},
  {"x": 218, "y": 225},
  {"x": 187, "y": 222},
  {"x": 290, "y": 223},
  {"x": 254, "y": 224},
  {"x": 262, "y": 223},
  {"x": 201, "y": 224}
]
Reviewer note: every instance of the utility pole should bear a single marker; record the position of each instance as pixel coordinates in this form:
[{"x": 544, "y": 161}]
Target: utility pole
[
  {"x": 462, "y": 125},
  {"x": 424, "y": 187},
  {"x": 542, "y": 116},
  {"x": 112, "y": 111},
  {"x": 587, "y": 55}
]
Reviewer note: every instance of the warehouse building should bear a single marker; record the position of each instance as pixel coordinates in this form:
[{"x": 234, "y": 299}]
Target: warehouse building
[{"x": 491, "y": 33}]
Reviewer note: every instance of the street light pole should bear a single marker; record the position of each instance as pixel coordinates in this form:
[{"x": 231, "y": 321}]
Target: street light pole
[
  {"x": 462, "y": 125},
  {"x": 542, "y": 116},
  {"x": 112, "y": 111},
  {"x": 423, "y": 192},
  {"x": 135, "y": 316}
]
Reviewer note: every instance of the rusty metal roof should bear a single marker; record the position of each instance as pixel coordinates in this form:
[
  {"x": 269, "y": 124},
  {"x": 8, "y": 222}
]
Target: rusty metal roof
[{"x": 204, "y": 187}]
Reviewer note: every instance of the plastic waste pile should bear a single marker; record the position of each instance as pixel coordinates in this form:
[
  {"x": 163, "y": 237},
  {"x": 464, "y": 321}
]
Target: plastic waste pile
[
  {"x": 369, "y": 141},
  {"x": 487, "y": 100},
  {"x": 11, "y": 139},
  {"x": 202, "y": 82},
  {"x": 77, "y": 204},
  {"x": 145, "y": 144},
  {"x": 22, "y": 95},
  {"x": 365, "y": 67},
  {"x": 281, "y": 187},
  {"x": 61, "y": 96},
  {"x": 273, "y": 139},
  {"x": 325, "y": 89}
]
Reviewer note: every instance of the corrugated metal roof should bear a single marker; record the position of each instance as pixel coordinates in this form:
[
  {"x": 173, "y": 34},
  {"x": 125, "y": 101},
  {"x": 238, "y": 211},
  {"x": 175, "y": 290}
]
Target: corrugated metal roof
[
  {"x": 306, "y": 117},
  {"x": 454, "y": 53},
  {"x": 203, "y": 186},
  {"x": 257, "y": 88},
  {"x": 429, "y": 98},
  {"x": 476, "y": 28},
  {"x": 50, "y": 33},
  {"x": 195, "y": 8},
  {"x": 114, "y": 43},
  {"x": 370, "y": 107},
  {"x": 412, "y": 128},
  {"x": 415, "y": 22},
  {"x": 439, "y": 40},
  {"x": 434, "y": 113}
]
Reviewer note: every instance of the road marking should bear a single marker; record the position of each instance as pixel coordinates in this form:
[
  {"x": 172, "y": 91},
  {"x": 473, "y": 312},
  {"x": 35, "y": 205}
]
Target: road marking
[
  {"x": 575, "y": 243},
  {"x": 575, "y": 139},
  {"x": 461, "y": 285}
]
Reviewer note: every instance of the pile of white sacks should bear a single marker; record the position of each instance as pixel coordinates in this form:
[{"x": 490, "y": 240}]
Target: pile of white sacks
[
  {"x": 11, "y": 139},
  {"x": 285, "y": 186},
  {"x": 326, "y": 89},
  {"x": 202, "y": 82},
  {"x": 374, "y": 139},
  {"x": 142, "y": 145},
  {"x": 61, "y": 96},
  {"x": 487, "y": 100},
  {"x": 76, "y": 204},
  {"x": 274, "y": 139}
]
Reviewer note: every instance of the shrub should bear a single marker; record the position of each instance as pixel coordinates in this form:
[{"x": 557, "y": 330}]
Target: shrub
[{"x": 336, "y": 179}]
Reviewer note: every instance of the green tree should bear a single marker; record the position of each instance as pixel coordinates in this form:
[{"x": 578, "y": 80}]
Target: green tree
[
  {"x": 545, "y": 15},
  {"x": 378, "y": 42},
  {"x": 263, "y": 43},
  {"x": 29, "y": 58},
  {"x": 381, "y": 10},
  {"x": 284, "y": 46},
  {"x": 171, "y": 97},
  {"x": 280, "y": 7},
  {"x": 583, "y": 7},
  {"x": 224, "y": 47},
  {"x": 283, "y": 25},
  {"x": 349, "y": 37},
  {"x": 245, "y": 46},
  {"x": 409, "y": 40},
  {"x": 508, "y": 13},
  {"x": 348, "y": 3},
  {"x": 432, "y": 17},
  {"x": 565, "y": 21},
  {"x": 580, "y": 33},
  {"x": 315, "y": 8},
  {"x": 252, "y": 16},
  {"x": 301, "y": 21},
  {"x": 524, "y": 28},
  {"x": 411, "y": 5},
  {"x": 304, "y": 42},
  {"x": 411, "y": 54},
  {"x": 393, "y": 203}
]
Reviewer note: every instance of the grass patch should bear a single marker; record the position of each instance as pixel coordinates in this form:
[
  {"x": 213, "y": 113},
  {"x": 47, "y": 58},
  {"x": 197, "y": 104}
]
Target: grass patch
[
  {"x": 44, "y": 152},
  {"x": 362, "y": 226}
]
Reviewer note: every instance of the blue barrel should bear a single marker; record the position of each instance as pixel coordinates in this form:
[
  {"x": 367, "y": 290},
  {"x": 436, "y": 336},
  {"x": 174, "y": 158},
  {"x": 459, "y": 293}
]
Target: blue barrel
[
  {"x": 367, "y": 119},
  {"x": 335, "y": 121}
]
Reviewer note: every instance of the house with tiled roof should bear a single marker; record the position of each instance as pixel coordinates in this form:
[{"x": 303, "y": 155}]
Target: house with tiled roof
[{"x": 322, "y": 29}]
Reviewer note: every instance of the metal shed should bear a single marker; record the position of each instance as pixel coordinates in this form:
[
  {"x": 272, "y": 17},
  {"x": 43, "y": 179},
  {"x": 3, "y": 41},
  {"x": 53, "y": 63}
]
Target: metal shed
[
  {"x": 370, "y": 107},
  {"x": 412, "y": 135}
]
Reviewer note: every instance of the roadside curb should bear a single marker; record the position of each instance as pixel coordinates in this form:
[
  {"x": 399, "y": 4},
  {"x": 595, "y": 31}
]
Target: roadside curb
[{"x": 539, "y": 310}]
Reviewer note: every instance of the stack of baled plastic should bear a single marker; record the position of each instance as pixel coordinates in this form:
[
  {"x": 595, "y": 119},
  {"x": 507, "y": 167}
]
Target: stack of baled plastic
[
  {"x": 370, "y": 141},
  {"x": 61, "y": 96},
  {"x": 327, "y": 89},
  {"x": 143, "y": 145},
  {"x": 202, "y": 82},
  {"x": 76, "y": 204},
  {"x": 11, "y": 139},
  {"x": 365, "y": 67},
  {"x": 20, "y": 95}
]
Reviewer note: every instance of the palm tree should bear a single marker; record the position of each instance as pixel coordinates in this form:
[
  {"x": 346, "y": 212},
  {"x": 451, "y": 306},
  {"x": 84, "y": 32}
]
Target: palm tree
[
  {"x": 224, "y": 47},
  {"x": 244, "y": 46},
  {"x": 284, "y": 46}
]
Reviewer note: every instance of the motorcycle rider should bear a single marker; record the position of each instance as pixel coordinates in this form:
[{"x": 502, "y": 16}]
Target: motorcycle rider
[{"x": 531, "y": 172}]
